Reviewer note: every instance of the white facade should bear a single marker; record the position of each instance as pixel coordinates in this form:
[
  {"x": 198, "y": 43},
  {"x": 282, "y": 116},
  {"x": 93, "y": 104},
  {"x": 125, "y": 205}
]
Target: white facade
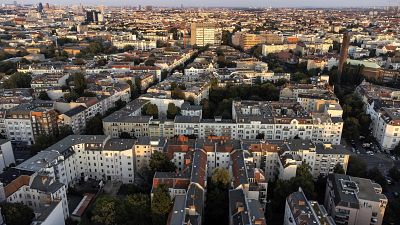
[{"x": 6, "y": 154}]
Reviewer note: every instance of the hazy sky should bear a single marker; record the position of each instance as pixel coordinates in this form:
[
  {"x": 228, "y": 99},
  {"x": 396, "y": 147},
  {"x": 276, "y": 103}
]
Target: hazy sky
[{"x": 226, "y": 3}]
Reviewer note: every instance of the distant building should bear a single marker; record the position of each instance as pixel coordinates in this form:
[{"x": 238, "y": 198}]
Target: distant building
[
  {"x": 93, "y": 16},
  {"x": 203, "y": 34}
]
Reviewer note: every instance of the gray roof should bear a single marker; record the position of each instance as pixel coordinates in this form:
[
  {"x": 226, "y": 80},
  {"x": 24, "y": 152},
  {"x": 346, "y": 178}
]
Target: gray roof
[
  {"x": 46, "y": 184},
  {"x": 236, "y": 199},
  {"x": 119, "y": 144},
  {"x": 195, "y": 198},
  {"x": 348, "y": 190},
  {"x": 74, "y": 111},
  {"x": 43, "y": 159},
  {"x": 178, "y": 211},
  {"x": 187, "y": 119}
]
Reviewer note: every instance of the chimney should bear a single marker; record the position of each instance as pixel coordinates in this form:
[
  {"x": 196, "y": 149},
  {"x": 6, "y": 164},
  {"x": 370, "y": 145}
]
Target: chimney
[{"x": 343, "y": 54}]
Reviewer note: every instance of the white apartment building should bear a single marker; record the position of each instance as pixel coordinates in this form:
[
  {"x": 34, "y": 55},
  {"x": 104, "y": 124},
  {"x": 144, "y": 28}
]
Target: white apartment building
[
  {"x": 281, "y": 158},
  {"x": 382, "y": 104},
  {"x": 80, "y": 157},
  {"x": 6, "y": 154},
  {"x": 137, "y": 44},
  {"x": 33, "y": 190}
]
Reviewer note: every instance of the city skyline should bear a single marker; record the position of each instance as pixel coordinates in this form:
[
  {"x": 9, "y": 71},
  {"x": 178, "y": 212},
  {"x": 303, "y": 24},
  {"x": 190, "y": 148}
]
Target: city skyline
[{"x": 226, "y": 3}]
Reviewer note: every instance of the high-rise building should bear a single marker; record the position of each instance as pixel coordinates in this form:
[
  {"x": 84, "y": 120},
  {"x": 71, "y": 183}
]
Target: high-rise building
[
  {"x": 343, "y": 54},
  {"x": 92, "y": 16},
  {"x": 40, "y": 7},
  {"x": 203, "y": 34}
]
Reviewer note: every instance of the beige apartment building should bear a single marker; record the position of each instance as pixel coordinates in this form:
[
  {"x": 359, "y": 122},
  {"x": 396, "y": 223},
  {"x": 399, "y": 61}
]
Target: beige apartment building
[{"x": 203, "y": 34}]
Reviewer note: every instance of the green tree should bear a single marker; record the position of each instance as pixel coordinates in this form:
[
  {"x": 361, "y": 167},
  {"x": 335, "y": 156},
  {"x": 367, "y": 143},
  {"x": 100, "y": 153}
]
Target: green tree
[
  {"x": 356, "y": 167},
  {"x": 18, "y": 80},
  {"x": 8, "y": 67},
  {"x": 160, "y": 205},
  {"x": 220, "y": 177},
  {"x": 338, "y": 169},
  {"x": 17, "y": 213},
  {"x": 106, "y": 210},
  {"x": 133, "y": 89},
  {"x": 172, "y": 111},
  {"x": 44, "y": 96},
  {"x": 160, "y": 162},
  {"x": 79, "y": 83},
  {"x": 72, "y": 96},
  {"x": 394, "y": 173},
  {"x": 376, "y": 175},
  {"x": 136, "y": 209},
  {"x": 177, "y": 93},
  {"x": 351, "y": 129},
  {"x": 64, "y": 131},
  {"x": 304, "y": 179},
  {"x": 42, "y": 142},
  {"x": 150, "y": 110},
  {"x": 94, "y": 126}
]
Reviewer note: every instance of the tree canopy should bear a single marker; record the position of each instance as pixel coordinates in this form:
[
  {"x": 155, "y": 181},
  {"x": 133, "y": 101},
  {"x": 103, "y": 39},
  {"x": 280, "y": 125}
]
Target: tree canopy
[
  {"x": 221, "y": 177},
  {"x": 94, "y": 126},
  {"x": 17, "y": 213},
  {"x": 18, "y": 80},
  {"x": 106, "y": 210},
  {"x": 160, "y": 162},
  {"x": 357, "y": 167},
  {"x": 160, "y": 205},
  {"x": 150, "y": 110},
  {"x": 172, "y": 111}
]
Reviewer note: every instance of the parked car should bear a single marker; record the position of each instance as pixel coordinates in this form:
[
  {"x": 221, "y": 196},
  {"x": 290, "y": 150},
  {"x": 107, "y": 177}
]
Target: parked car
[{"x": 366, "y": 145}]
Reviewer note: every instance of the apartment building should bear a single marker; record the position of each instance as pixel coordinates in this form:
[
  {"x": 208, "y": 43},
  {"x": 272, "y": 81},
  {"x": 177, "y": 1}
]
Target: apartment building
[
  {"x": 248, "y": 197},
  {"x": 29, "y": 120},
  {"x": 247, "y": 177},
  {"x": 42, "y": 68},
  {"x": 281, "y": 158},
  {"x": 203, "y": 34},
  {"x": 142, "y": 45},
  {"x": 49, "y": 80},
  {"x": 272, "y": 48},
  {"x": 6, "y": 154},
  {"x": 354, "y": 200},
  {"x": 38, "y": 191},
  {"x": 187, "y": 189},
  {"x": 282, "y": 121},
  {"x": 80, "y": 157},
  {"x": 272, "y": 120},
  {"x": 244, "y": 210},
  {"x": 247, "y": 40},
  {"x": 144, "y": 149},
  {"x": 382, "y": 104},
  {"x": 300, "y": 211},
  {"x": 75, "y": 118}
]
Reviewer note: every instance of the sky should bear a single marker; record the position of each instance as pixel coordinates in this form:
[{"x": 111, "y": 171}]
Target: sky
[{"x": 223, "y": 3}]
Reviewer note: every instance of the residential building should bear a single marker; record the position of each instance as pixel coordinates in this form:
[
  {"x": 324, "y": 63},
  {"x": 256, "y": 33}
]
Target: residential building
[
  {"x": 203, "y": 34},
  {"x": 354, "y": 200},
  {"x": 300, "y": 211}
]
